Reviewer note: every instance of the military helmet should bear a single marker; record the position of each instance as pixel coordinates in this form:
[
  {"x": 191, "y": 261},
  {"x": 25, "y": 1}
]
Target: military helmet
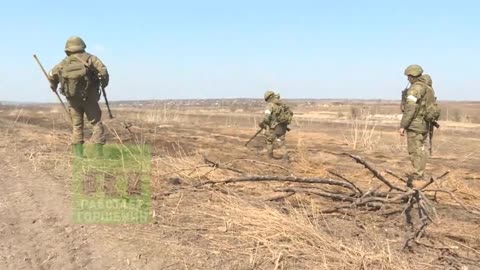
[
  {"x": 268, "y": 94},
  {"x": 413, "y": 70},
  {"x": 75, "y": 44},
  {"x": 427, "y": 79}
]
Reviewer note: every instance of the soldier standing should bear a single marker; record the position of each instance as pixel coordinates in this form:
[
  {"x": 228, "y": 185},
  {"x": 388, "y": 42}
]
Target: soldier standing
[
  {"x": 80, "y": 75},
  {"x": 413, "y": 120},
  {"x": 275, "y": 123}
]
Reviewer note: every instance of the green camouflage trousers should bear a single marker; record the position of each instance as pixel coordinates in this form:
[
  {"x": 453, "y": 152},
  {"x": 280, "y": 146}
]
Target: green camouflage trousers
[
  {"x": 276, "y": 134},
  {"x": 91, "y": 109},
  {"x": 417, "y": 153}
]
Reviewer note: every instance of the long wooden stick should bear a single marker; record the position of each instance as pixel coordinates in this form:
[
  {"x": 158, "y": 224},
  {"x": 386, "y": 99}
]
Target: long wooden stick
[{"x": 54, "y": 90}]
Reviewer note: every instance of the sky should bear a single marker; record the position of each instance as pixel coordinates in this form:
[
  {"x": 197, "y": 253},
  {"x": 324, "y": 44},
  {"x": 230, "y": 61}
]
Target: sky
[{"x": 239, "y": 49}]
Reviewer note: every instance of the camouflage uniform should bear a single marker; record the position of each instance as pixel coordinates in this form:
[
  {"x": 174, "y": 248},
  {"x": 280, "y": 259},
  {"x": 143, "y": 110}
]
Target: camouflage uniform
[
  {"x": 413, "y": 120},
  {"x": 274, "y": 131},
  {"x": 88, "y": 105}
]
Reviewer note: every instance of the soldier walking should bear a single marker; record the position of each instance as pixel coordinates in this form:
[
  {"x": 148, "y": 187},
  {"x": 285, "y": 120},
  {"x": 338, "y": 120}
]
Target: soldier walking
[
  {"x": 275, "y": 123},
  {"x": 80, "y": 76}
]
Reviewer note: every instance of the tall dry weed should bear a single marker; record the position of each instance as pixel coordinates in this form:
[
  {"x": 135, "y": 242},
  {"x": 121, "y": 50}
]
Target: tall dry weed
[
  {"x": 292, "y": 238},
  {"x": 362, "y": 133}
]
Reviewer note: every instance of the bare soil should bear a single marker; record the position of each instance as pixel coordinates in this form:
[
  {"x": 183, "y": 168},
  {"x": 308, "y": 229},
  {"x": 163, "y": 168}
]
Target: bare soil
[{"x": 231, "y": 226}]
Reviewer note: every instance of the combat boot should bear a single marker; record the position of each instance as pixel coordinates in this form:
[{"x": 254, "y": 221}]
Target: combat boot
[
  {"x": 78, "y": 150},
  {"x": 415, "y": 176},
  {"x": 413, "y": 180},
  {"x": 270, "y": 151},
  {"x": 283, "y": 150},
  {"x": 99, "y": 150}
]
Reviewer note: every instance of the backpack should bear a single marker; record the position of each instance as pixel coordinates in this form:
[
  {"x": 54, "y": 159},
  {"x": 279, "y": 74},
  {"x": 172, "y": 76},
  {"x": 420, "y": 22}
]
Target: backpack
[
  {"x": 282, "y": 113},
  {"x": 76, "y": 78},
  {"x": 432, "y": 109}
]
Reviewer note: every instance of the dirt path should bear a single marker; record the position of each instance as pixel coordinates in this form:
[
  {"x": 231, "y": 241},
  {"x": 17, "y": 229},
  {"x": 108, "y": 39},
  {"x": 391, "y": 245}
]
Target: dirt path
[{"x": 35, "y": 228}]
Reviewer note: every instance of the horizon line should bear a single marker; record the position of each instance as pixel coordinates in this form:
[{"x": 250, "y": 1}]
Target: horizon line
[{"x": 6, "y": 102}]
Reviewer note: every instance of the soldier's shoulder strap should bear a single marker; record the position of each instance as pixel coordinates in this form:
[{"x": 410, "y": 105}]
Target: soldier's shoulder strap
[{"x": 86, "y": 59}]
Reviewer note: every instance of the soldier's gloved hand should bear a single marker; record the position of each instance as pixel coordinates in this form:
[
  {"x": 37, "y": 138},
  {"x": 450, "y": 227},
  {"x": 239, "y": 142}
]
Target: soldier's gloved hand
[
  {"x": 261, "y": 125},
  {"x": 53, "y": 87},
  {"x": 103, "y": 81}
]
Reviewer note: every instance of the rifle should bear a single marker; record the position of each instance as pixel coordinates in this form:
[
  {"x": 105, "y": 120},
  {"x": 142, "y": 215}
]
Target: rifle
[
  {"x": 106, "y": 100},
  {"x": 101, "y": 84},
  {"x": 256, "y": 134},
  {"x": 53, "y": 89},
  {"x": 404, "y": 97},
  {"x": 253, "y": 137},
  {"x": 431, "y": 126}
]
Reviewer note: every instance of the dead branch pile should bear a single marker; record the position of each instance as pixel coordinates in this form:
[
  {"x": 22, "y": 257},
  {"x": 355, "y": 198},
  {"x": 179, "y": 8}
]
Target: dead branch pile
[{"x": 386, "y": 199}]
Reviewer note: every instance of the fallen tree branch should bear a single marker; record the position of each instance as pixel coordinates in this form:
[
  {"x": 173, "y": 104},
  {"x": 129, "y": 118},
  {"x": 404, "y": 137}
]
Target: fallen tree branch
[
  {"x": 375, "y": 172},
  {"x": 279, "y": 178},
  {"x": 334, "y": 196},
  {"x": 345, "y": 179},
  {"x": 214, "y": 164},
  {"x": 433, "y": 179},
  {"x": 396, "y": 176}
]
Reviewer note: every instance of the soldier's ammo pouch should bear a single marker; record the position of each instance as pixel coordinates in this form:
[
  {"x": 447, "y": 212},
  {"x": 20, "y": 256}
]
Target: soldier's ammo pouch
[{"x": 75, "y": 78}]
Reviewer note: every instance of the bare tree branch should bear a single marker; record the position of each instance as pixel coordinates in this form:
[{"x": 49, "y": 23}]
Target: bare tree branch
[
  {"x": 214, "y": 164},
  {"x": 396, "y": 176},
  {"x": 280, "y": 178},
  {"x": 345, "y": 179},
  {"x": 375, "y": 172}
]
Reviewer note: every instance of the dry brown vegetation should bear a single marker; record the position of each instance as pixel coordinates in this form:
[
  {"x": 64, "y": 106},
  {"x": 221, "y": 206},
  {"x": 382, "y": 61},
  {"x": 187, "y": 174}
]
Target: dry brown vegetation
[{"x": 201, "y": 221}]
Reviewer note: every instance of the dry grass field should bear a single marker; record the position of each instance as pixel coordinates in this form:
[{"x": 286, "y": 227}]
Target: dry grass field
[{"x": 273, "y": 218}]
